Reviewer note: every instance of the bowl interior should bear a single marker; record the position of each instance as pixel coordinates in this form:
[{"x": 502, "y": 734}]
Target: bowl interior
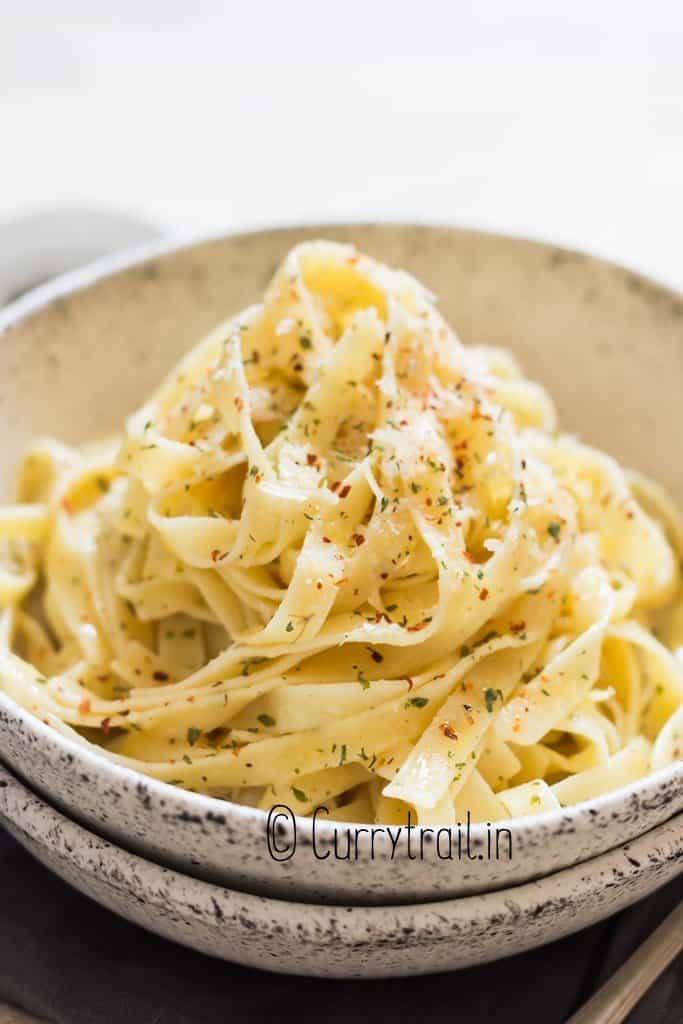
[
  {"x": 607, "y": 343},
  {"x": 77, "y": 357}
]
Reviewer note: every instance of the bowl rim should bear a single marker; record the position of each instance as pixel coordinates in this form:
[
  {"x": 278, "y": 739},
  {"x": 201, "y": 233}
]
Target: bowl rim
[
  {"x": 643, "y": 855},
  {"x": 134, "y": 257},
  {"x": 177, "y": 799}
]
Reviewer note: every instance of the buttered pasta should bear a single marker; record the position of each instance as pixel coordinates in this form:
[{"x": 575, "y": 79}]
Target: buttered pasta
[{"x": 338, "y": 557}]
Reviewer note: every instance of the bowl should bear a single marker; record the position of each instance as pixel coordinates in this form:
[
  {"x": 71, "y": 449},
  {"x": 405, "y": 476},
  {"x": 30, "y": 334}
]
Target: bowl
[
  {"x": 78, "y": 354},
  {"x": 339, "y": 941}
]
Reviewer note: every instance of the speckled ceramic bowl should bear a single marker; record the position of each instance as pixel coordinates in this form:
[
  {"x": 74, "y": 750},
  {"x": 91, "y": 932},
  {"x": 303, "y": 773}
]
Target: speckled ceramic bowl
[
  {"x": 340, "y": 941},
  {"x": 78, "y": 354}
]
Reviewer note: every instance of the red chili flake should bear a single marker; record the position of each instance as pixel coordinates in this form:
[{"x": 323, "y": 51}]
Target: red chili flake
[
  {"x": 67, "y": 506},
  {"x": 517, "y": 627},
  {"x": 335, "y": 486},
  {"x": 161, "y": 677},
  {"x": 239, "y": 403},
  {"x": 409, "y": 682},
  {"x": 326, "y": 540},
  {"x": 319, "y": 585},
  {"x": 359, "y": 539},
  {"x": 470, "y": 558},
  {"x": 345, "y": 491},
  {"x": 483, "y": 593},
  {"x": 448, "y": 731},
  {"x": 215, "y": 554},
  {"x": 311, "y": 458},
  {"x": 384, "y": 575},
  {"x": 84, "y": 706},
  {"x": 105, "y": 725}
]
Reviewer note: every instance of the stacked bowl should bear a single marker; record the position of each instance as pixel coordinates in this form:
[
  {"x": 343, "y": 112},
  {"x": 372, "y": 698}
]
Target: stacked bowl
[{"x": 283, "y": 892}]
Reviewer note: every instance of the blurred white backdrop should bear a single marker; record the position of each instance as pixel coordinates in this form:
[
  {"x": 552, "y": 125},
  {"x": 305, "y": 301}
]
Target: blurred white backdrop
[{"x": 559, "y": 120}]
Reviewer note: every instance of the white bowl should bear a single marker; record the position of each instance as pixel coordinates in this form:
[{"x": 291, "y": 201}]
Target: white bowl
[
  {"x": 340, "y": 941},
  {"x": 77, "y": 355}
]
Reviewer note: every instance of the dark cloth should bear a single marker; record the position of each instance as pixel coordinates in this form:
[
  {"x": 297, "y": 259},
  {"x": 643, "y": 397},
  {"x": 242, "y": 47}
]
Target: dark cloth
[{"x": 65, "y": 958}]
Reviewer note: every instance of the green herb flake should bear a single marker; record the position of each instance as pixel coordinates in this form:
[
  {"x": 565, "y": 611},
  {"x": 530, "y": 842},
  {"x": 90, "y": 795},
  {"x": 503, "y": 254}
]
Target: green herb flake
[
  {"x": 490, "y": 696},
  {"x": 554, "y": 530},
  {"x": 193, "y": 734}
]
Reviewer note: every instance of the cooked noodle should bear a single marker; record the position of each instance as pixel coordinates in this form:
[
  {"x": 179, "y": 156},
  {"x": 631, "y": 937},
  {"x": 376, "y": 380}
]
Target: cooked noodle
[{"x": 340, "y": 558}]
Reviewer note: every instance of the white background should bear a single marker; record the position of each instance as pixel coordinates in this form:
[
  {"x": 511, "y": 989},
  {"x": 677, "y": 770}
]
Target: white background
[{"x": 561, "y": 120}]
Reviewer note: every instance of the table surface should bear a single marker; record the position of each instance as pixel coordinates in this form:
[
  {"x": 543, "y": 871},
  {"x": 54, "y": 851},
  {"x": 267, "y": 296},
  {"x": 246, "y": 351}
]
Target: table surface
[
  {"x": 11, "y": 1015},
  {"x": 561, "y": 121}
]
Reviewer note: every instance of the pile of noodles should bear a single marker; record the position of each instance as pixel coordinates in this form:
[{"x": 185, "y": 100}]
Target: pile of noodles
[{"x": 340, "y": 558}]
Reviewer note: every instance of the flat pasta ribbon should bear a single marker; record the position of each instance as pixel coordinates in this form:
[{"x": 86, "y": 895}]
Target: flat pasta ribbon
[{"x": 340, "y": 558}]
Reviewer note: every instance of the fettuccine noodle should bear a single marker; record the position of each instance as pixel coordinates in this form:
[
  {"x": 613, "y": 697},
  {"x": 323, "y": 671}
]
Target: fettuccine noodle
[{"x": 340, "y": 558}]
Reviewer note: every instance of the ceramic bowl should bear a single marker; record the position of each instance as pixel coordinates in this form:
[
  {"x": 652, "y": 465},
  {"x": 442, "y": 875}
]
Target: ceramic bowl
[
  {"x": 339, "y": 941},
  {"x": 77, "y": 355}
]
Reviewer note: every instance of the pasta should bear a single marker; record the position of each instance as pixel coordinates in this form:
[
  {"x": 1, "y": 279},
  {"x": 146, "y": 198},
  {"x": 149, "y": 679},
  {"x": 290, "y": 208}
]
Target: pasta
[{"x": 339, "y": 558}]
